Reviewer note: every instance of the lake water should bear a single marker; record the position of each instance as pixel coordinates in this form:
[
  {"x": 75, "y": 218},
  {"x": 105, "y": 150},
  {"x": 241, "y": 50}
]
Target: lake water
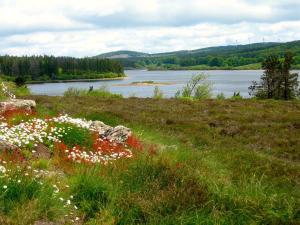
[{"x": 225, "y": 81}]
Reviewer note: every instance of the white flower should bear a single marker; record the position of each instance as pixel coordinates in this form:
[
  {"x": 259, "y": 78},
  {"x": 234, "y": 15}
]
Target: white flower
[{"x": 2, "y": 169}]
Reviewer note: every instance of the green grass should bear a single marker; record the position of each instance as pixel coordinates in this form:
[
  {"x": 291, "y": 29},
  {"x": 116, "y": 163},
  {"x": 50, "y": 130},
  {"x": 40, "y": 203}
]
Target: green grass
[
  {"x": 102, "y": 92},
  {"x": 75, "y": 136},
  {"x": 232, "y": 161},
  {"x": 25, "y": 199},
  {"x": 90, "y": 191},
  {"x": 17, "y": 91}
]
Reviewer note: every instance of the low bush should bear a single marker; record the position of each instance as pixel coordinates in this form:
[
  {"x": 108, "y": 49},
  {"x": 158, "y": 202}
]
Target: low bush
[{"x": 102, "y": 92}]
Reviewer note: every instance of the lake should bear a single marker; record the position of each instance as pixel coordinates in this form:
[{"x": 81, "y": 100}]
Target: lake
[{"x": 225, "y": 81}]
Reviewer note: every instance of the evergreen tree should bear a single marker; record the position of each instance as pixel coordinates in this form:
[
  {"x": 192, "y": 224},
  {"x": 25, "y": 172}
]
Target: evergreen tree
[
  {"x": 277, "y": 82},
  {"x": 289, "y": 82}
]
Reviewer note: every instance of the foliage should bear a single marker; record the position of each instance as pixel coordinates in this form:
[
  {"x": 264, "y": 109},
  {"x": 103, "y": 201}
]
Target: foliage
[
  {"x": 102, "y": 92},
  {"x": 155, "y": 190},
  {"x": 228, "y": 149},
  {"x": 43, "y": 68},
  {"x": 90, "y": 192},
  {"x": 20, "y": 81},
  {"x": 220, "y": 96},
  {"x": 209, "y": 162},
  {"x": 75, "y": 135},
  {"x": 24, "y": 197},
  {"x": 277, "y": 82},
  {"x": 157, "y": 93},
  {"x": 225, "y": 57},
  {"x": 236, "y": 95},
  {"x": 197, "y": 88},
  {"x": 10, "y": 90}
]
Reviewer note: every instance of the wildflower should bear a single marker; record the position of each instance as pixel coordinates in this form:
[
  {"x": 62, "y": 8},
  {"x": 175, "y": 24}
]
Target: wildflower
[
  {"x": 2, "y": 169},
  {"x": 4, "y": 187}
]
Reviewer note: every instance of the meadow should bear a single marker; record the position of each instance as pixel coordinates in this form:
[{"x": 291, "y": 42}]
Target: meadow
[
  {"x": 199, "y": 162},
  {"x": 187, "y": 161}
]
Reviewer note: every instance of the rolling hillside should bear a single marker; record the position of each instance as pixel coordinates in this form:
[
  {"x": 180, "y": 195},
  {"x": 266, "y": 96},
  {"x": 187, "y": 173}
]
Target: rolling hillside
[{"x": 226, "y": 57}]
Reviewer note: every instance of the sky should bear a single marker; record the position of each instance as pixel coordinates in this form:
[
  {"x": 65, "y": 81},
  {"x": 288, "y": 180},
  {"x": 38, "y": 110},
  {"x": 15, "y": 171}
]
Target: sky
[{"x": 86, "y": 28}]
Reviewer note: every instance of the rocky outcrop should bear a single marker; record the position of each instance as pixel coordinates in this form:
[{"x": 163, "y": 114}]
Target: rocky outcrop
[
  {"x": 117, "y": 134},
  {"x": 100, "y": 127},
  {"x": 42, "y": 152},
  {"x": 13, "y": 104}
]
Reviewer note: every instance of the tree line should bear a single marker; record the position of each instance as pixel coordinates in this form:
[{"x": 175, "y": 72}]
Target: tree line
[{"x": 51, "y": 68}]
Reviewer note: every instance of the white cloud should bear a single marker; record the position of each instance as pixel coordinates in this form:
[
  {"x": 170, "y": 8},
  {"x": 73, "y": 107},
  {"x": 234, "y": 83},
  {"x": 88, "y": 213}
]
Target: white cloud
[{"x": 85, "y": 28}]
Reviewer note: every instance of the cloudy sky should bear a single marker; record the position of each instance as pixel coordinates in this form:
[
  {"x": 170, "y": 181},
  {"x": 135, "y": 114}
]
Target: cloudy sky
[{"x": 86, "y": 28}]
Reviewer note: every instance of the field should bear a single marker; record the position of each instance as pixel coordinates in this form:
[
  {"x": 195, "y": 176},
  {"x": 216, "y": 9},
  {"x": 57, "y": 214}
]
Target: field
[{"x": 204, "y": 162}]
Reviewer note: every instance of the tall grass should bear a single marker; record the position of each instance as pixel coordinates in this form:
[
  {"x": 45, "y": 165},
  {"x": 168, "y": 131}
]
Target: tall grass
[
  {"x": 217, "y": 162},
  {"x": 102, "y": 92}
]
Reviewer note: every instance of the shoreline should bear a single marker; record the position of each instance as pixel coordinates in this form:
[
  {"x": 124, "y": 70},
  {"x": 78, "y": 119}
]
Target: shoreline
[
  {"x": 76, "y": 80},
  {"x": 145, "y": 84}
]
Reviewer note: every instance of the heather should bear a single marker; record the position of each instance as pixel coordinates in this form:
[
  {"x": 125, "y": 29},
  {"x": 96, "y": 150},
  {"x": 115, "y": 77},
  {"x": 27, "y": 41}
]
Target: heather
[
  {"x": 221, "y": 161},
  {"x": 194, "y": 162}
]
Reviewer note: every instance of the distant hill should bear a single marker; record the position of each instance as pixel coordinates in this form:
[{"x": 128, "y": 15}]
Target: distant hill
[
  {"x": 226, "y": 57},
  {"x": 122, "y": 55}
]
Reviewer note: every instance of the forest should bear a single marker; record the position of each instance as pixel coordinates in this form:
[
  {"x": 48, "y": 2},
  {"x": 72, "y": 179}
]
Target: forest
[
  {"x": 46, "y": 68},
  {"x": 248, "y": 56}
]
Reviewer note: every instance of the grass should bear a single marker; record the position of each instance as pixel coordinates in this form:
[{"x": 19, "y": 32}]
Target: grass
[
  {"x": 17, "y": 91},
  {"x": 90, "y": 192},
  {"x": 102, "y": 92},
  {"x": 241, "y": 155},
  {"x": 225, "y": 161},
  {"x": 23, "y": 199},
  {"x": 75, "y": 136}
]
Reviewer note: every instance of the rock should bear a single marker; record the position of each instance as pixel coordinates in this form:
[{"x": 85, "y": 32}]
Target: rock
[
  {"x": 28, "y": 105},
  {"x": 100, "y": 127},
  {"x": 4, "y": 145},
  {"x": 42, "y": 152},
  {"x": 118, "y": 134}
]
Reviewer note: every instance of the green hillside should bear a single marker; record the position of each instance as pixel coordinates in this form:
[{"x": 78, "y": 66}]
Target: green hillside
[
  {"x": 122, "y": 54},
  {"x": 224, "y": 57}
]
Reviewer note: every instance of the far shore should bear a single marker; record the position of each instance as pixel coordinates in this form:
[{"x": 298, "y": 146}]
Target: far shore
[
  {"x": 76, "y": 80},
  {"x": 146, "y": 83}
]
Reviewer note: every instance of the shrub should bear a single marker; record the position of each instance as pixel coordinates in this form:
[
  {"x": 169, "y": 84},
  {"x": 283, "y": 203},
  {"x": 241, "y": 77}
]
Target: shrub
[
  {"x": 197, "y": 88},
  {"x": 158, "y": 94},
  {"x": 20, "y": 81},
  {"x": 75, "y": 92},
  {"x": 236, "y": 95},
  {"x": 220, "y": 96},
  {"x": 102, "y": 92}
]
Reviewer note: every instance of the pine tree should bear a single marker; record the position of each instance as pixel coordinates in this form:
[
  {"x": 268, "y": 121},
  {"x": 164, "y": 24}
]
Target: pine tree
[
  {"x": 268, "y": 86},
  {"x": 289, "y": 81},
  {"x": 277, "y": 82}
]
